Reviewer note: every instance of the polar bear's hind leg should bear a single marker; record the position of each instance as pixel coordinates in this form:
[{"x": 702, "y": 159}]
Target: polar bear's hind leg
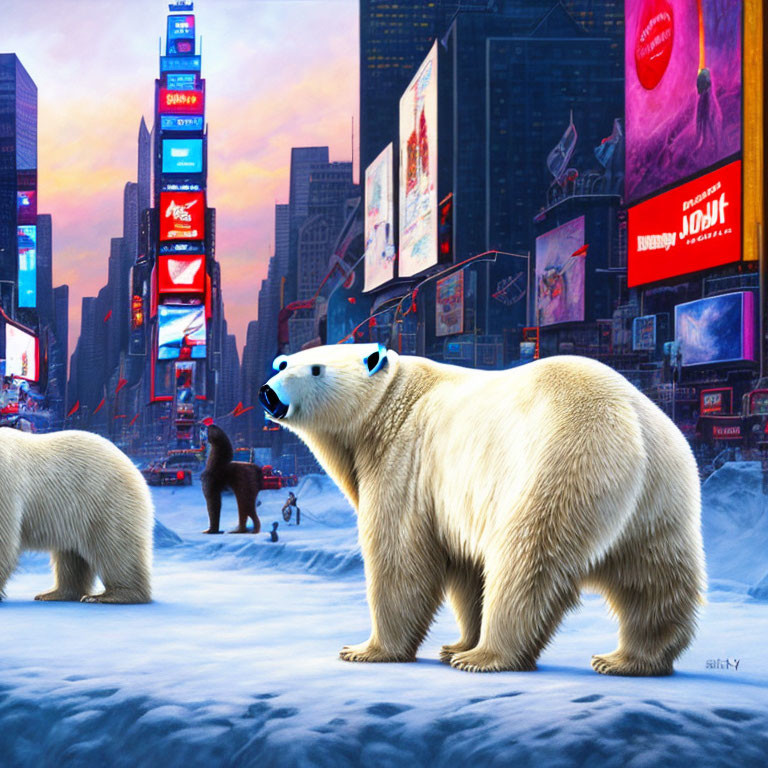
[
  {"x": 73, "y": 577},
  {"x": 465, "y": 592}
]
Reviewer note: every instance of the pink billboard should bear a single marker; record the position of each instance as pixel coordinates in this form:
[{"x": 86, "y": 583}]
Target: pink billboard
[
  {"x": 560, "y": 258},
  {"x": 682, "y": 89}
]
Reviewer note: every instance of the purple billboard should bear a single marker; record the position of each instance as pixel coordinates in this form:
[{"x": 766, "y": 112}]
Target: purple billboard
[
  {"x": 682, "y": 89},
  {"x": 560, "y": 258}
]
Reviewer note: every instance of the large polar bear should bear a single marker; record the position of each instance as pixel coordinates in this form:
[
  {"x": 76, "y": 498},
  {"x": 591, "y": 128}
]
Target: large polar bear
[
  {"x": 508, "y": 490},
  {"x": 78, "y": 496}
]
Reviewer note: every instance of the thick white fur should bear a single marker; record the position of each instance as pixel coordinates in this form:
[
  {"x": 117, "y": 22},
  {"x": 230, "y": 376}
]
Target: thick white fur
[
  {"x": 78, "y": 496},
  {"x": 507, "y": 491}
]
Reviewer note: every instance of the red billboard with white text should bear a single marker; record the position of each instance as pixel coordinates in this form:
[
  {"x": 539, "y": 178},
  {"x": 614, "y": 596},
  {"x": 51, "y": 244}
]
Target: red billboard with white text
[
  {"x": 693, "y": 227},
  {"x": 181, "y": 102},
  {"x": 182, "y": 215},
  {"x": 181, "y": 273}
]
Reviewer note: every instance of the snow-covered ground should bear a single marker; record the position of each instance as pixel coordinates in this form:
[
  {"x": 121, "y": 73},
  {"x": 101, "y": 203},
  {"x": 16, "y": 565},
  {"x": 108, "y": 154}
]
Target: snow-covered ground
[{"x": 236, "y": 663}]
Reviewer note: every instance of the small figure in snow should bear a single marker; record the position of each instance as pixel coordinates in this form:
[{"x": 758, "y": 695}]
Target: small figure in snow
[
  {"x": 288, "y": 509},
  {"x": 273, "y": 533}
]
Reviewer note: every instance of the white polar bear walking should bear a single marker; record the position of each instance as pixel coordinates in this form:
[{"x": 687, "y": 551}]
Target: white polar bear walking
[
  {"x": 509, "y": 491},
  {"x": 78, "y": 496}
]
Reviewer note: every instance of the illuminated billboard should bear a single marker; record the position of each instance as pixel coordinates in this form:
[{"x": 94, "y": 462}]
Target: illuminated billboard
[
  {"x": 181, "y": 82},
  {"x": 182, "y": 155},
  {"x": 182, "y": 215},
  {"x": 449, "y": 305},
  {"x": 719, "y": 329},
  {"x": 379, "y": 221},
  {"x": 644, "y": 333},
  {"x": 180, "y": 332},
  {"x": 26, "y": 207},
  {"x": 692, "y": 227},
  {"x": 27, "y": 241},
  {"x": 181, "y": 102},
  {"x": 181, "y": 274},
  {"x": 181, "y": 123},
  {"x": 21, "y": 352},
  {"x": 180, "y": 63},
  {"x": 682, "y": 89},
  {"x": 560, "y": 274},
  {"x": 418, "y": 170},
  {"x": 181, "y": 34}
]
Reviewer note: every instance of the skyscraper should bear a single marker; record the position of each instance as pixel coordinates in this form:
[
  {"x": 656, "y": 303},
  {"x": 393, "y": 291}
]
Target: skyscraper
[{"x": 18, "y": 190}]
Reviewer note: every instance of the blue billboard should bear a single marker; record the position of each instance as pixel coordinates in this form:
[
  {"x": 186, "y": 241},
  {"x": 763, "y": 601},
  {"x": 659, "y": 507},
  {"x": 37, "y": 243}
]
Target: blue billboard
[
  {"x": 180, "y": 63},
  {"x": 182, "y": 155},
  {"x": 181, "y": 34},
  {"x": 718, "y": 329},
  {"x": 181, "y": 123},
  {"x": 182, "y": 82},
  {"x": 181, "y": 332},
  {"x": 27, "y": 241}
]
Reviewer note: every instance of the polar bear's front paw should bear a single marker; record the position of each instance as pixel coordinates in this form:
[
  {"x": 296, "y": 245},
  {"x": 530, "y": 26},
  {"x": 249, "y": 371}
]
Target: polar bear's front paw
[
  {"x": 447, "y": 652},
  {"x": 617, "y": 663},
  {"x": 369, "y": 652},
  {"x": 480, "y": 660}
]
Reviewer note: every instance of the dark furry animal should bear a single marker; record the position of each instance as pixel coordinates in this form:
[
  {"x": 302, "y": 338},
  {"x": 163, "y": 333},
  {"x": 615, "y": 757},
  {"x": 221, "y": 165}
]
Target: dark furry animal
[{"x": 244, "y": 479}]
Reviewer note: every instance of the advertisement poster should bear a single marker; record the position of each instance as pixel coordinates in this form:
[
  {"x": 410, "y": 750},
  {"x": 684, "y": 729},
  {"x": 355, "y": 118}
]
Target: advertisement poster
[
  {"x": 560, "y": 274},
  {"x": 379, "y": 221},
  {"x": 27, "y": 241},
  {"x": 181, "y": 102},
  {"x": 682, "y": 89},
  {"x": 181, "y": 82},
  {"x": 26, "y": 207},
  {"x": 181, "y": 123},
  {"x": 716, "y": 401},
  {"x": 719, "y": 329},
  {"x": 449, "y": 305},
  {"x": 20, "y": 353},
  {"x": 182, "y": 215},
  {"x": 180, "y": 326},
  {"x": 182, "y": 155},
  {"x": 418, "y": 170},
  {"x": 181, "y": 274},
  {"x": 644, "y": 333},
  {"x": 180, "y": 63},
  {"x": 692, "y": 227},
  {"x": 181, "y": 34}
]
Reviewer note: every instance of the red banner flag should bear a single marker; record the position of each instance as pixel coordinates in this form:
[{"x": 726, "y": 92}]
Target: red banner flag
[
  {"x": 99, "y": 406},
  {"x": 73, "y": 409},
  {"x": 581, "y": 251},
  {"x": 108, "y": 315},
  {"x": 133, "y": 420},
  {"x": 120, "y": 384}
]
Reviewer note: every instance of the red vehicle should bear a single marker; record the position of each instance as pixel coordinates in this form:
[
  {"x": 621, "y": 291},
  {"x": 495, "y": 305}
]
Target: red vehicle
[
  {"x": 167, "y": 472},
  {"x": 274, "y": 479}
]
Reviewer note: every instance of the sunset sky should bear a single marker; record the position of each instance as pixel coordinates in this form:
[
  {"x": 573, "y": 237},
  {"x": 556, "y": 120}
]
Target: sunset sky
[{"x": 280, "y": 74}]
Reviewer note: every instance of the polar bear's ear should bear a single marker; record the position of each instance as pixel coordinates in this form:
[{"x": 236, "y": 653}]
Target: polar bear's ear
[
  {"x": 376, "y": 360},
  {"x": 280, "y": 362}
]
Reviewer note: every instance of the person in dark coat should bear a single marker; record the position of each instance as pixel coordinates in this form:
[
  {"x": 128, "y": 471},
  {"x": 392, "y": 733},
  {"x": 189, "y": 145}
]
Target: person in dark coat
[
  {"x": 243, "y": 478},
  {"x": 273, "y": 533}
]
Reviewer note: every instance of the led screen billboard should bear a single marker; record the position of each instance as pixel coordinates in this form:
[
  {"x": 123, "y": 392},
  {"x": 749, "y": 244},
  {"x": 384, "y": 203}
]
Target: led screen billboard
[
  {"x": 644, "y": 333},
  {"x": 181, "y": 34},
  {"x": 182, "y": 155},
  {"x": 180, "y": 63},
  {"x": 182, "y": 215},
  {"x": 181, "y": 102},
  {"x": 682, "y": 89},
  {"x": 560, "y": 274},
  {"x": 181, "y": 82},
  {"x": 692, "y": 227},
  {"x": 21, "y": 352},
  {"x": 181, "y": 274},
  {"x": 418, "y": 170},
  {"x": 26, "y": 237},
  {"x": 449, "y": 305},
  {"x": 379, "y": 221},
  {"x": 719, "y": 329},
  {"x": 180, "y": 331},
  {"x": 26, "y": 207},
  {"x": 180, "y": 123}
]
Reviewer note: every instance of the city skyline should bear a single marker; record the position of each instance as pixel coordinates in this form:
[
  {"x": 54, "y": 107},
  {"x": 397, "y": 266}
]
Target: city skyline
[{"x": 264, "y": 98}]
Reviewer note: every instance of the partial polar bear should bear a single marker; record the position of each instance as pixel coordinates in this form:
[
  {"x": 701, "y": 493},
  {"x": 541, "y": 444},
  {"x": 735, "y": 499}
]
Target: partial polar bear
[
  {"x": 509, "y": 491},
  {"x": 78, "y": 496}
]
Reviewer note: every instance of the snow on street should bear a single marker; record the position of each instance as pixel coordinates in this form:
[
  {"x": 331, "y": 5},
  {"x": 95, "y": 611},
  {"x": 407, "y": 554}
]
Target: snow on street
[{"x": 236, "y": 661}]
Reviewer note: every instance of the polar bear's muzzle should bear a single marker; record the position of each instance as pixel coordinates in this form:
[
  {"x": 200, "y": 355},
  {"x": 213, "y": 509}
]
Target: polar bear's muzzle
[{"x": 273, "y": 405}]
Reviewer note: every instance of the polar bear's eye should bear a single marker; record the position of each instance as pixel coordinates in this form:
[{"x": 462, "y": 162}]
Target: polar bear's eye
[
  {"x": 280, "y": 363},
  {"x": 316, "y": 370}
]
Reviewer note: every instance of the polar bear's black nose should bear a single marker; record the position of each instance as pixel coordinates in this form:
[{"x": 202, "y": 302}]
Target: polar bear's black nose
[{"x": 271, "y": 402}]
